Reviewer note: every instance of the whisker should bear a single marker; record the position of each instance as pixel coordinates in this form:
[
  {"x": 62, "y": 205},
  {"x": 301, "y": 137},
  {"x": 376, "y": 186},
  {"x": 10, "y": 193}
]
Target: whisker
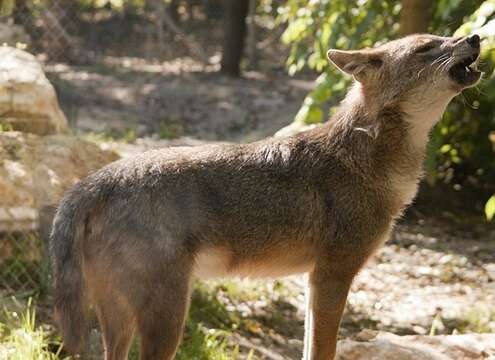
[
  {"x": 445, "y": 55},
  {"x": 443, "y": 65},
  {"x": 440, "y": 58},
  {"x": 420, "y": 71},
  {"x": 437, "y": 70},
  {"x": 448, "y": 63}
]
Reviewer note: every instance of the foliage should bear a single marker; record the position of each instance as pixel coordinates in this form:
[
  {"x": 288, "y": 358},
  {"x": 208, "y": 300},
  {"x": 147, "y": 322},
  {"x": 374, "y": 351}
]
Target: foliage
[
  {"x": 315, "y": 26},
  {"x": 22, "y": 339},
  {"x": 478, "y": 138},
  {"x": 490, "y": 208},
  {"x": 127, "y": 135},
  {"x": 6, "y": 7},
  {"x": 461, "y": 150},
  {"x": 450, "y": 14},
  {"x": 169, "y": 130},
  {"x": 204, "y": 344},
  {"x": 478, "y": 319},
  {"x": 465, "y": 151},
  {"x": 5, "y": 126},
  {"x": 208, "y": 328}
]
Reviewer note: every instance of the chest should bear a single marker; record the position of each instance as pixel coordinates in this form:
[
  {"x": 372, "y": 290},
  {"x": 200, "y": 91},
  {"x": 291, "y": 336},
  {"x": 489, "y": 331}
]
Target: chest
[{"x": 404, "y": 188}]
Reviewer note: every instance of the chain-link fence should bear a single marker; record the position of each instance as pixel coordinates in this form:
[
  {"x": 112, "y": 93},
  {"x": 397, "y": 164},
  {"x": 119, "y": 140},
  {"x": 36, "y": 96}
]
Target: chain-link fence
[
  {"x": 24, "y": 266},
  {"x": 84, "y": 31},
  {"x": 51, "y": 31},
  {"x": 79, "y": 34}
]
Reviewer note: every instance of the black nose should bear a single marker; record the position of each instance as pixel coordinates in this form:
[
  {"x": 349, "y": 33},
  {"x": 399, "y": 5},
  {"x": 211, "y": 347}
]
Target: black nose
[{"x": 474, "y": 41}]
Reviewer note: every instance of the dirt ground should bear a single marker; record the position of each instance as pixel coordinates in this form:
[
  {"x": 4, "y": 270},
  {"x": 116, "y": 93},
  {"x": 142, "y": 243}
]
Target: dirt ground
[
  {"x": 128, "y": 86},
  {"x": 177, "y": 99}
]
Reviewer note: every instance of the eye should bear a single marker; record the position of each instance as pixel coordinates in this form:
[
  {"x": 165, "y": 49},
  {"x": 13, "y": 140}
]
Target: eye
[
  {"x": 424, "y": 48},
  {"x": 375, "y": 62}
]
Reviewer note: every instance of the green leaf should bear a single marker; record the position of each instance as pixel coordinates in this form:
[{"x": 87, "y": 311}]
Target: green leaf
[
  {"x": 315, "y": 115},
  {"x": 490, "y": 208}
]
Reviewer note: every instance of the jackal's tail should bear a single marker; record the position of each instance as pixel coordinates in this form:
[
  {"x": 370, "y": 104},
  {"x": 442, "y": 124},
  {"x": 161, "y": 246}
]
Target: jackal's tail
[{"x": 65, "y": 250}]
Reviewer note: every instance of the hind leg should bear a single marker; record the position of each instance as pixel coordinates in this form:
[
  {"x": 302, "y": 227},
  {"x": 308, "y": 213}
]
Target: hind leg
[
  {"x": 161, "y": 322},
  {"x": 117, "y": 324},
  {"x": 152, "y": 280}
]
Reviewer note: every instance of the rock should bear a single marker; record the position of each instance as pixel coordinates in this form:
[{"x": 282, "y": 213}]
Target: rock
[
  {"x": 419, "y": 347},
  {"x": 36, "y": 170},
  {"x": 12, "y": 34},
  {"x": 27, "y": 99}
]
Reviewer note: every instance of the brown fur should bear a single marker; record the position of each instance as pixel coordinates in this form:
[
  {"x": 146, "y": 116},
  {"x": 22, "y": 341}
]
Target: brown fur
[{"x": 129, "y": 238}]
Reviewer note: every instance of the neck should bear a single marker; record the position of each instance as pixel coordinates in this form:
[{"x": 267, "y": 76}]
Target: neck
[
  {"x": 382, "y": 143},
  {"x": 364, "y": 123},
  {"x": 421, "y": 117},
  {"x": 358, "y": 99},
  {"x": 420, "y": 114},
  {"x": 373, "y": 136}
]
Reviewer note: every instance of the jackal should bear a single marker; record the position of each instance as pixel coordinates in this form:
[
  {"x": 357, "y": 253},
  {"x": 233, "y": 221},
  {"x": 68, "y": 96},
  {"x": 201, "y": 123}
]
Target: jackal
[{"x": 130, "y": 238}]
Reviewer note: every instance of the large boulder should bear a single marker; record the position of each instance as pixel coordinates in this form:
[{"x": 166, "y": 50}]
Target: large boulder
[
  {"x": 419, "y": 347},
  {"x": 27, "y": 99},
  {"x": 36, "y": 170}
]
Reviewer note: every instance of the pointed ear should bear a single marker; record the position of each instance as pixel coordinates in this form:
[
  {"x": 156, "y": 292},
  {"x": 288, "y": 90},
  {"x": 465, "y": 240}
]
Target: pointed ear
[{"x": 358, "y": 63}]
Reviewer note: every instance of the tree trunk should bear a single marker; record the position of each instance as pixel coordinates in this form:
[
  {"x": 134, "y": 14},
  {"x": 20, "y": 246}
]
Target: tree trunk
[
  {"x": 160, "y": 36},
  {"x": 173, "y": 10},
  {"x": 234, "y": 33},
  {"x": 252, "y": 36},
  {"x": 213, "y": 8},
  {"x": 415, "y": 16},
  {"x": 21, "y": 13}
]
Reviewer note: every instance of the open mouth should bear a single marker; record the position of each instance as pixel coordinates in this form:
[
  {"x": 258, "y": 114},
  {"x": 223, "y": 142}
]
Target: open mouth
[{"x": 464, "y": 72}]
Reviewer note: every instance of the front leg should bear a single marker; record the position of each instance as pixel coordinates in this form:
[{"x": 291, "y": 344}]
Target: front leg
[{"x": 326, "y": 296}]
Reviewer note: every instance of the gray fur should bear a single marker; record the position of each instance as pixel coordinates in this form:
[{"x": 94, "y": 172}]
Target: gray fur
[{"x": 127, "y": 238}]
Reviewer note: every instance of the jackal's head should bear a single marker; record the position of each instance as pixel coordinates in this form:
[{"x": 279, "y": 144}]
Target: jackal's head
[{"x": 420, "y": 68}]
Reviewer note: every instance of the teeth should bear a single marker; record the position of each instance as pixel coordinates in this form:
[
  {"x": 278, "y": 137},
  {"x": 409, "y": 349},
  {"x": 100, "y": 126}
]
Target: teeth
[{"x": 467, "y": 69}]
